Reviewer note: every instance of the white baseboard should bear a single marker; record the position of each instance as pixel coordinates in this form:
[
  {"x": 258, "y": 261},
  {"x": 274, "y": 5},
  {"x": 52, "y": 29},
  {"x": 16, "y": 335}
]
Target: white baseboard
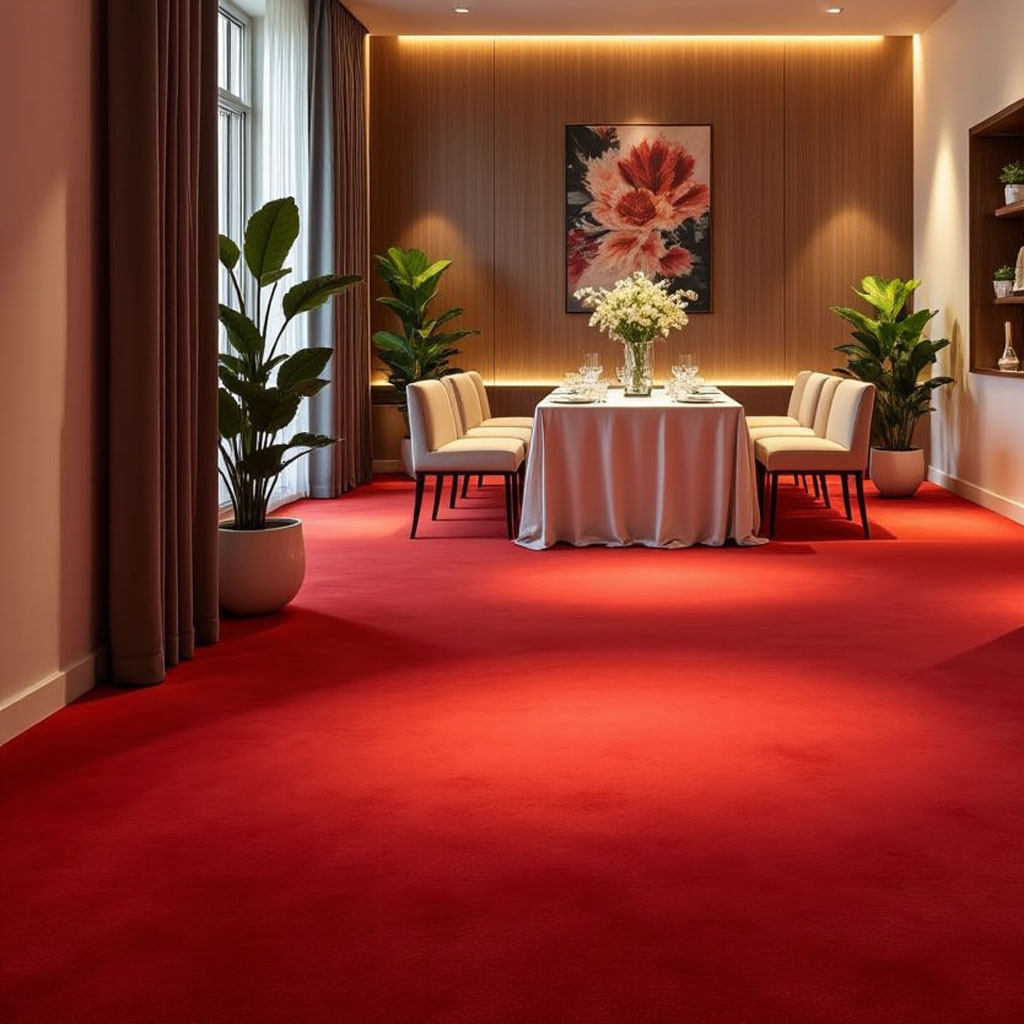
[
  {"x": 972, "y": 492},
  {"x": 42, "y": 699},
  {"x": 387, "y": 466}
]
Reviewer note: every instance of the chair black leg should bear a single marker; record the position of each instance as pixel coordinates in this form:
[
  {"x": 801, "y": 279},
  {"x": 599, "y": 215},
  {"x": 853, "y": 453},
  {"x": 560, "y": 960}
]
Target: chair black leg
[
  {"x": 775, "y": 498},
  {"x": 859, "y": 477},
  {"x": 803, "y": 480},
  {"x": 420, "y": 481},
  {"x": 465, "y": 485},
  {"x": 438, "y": 487},
  {"x": 508, "y": 504},
  {"x": 760, "y": 488},
  {"x": 814, "y": 480},
  {"x": 824, "y": 490},
  {"x": 845, "y": 477},
  {"x": 455, "y": 490},
  {"x": 480, "y": 481},
  {"x": 796, "y": 480}
]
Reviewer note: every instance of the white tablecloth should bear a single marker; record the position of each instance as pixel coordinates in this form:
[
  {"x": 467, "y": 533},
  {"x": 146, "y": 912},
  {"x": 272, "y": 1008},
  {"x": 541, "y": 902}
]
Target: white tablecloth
[{"x": 640, "y": 471}]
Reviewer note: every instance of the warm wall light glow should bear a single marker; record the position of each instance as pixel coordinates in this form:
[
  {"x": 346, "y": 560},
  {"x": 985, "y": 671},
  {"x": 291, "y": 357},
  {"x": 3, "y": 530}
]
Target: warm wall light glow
[{"x": 639, "y": 38}]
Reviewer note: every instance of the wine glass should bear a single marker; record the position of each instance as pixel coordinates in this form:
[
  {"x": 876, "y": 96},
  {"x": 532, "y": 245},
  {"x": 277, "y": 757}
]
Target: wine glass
[{"x": 591, "y": 368}]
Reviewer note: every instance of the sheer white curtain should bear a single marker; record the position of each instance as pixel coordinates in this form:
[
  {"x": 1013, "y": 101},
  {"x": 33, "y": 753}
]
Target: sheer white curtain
[{"x": 285, "y": 172}]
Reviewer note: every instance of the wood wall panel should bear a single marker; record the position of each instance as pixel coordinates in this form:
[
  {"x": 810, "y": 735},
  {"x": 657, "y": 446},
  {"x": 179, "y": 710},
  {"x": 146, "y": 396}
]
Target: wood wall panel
[
  {"x": 811, "y": 183},
  {"x": 735, "y": 87},
  {"x": 849, "y": 185},
  {"x": 432, "y": 171}
]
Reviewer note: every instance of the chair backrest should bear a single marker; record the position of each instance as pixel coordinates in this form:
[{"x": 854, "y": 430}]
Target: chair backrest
[
  {"x": 449, "y": 386},
  {"x": 849, "y": 422},
  {"x": 467, "y": 400},
  {"x": 809, "y": 399},
  {"x": 431, "y": 418},
  {"x": 797, "y": 393},
  {"x": 825, "y": 399},
  {"x": 481, "y": 390}
]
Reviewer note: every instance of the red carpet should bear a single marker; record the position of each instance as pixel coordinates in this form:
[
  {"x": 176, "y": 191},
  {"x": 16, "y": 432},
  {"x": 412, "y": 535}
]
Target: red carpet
[{"x": 462, "y": 782}]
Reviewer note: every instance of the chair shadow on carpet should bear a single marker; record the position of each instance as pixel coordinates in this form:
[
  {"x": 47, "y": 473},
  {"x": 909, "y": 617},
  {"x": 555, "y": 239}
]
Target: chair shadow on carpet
[{"x": 802, "y": 517}]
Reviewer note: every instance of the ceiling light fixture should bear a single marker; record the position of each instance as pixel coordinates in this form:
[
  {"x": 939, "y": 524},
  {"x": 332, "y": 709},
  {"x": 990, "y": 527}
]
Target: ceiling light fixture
[
  {"x": 833, "y": 10},
  {"x": 460, "y": 10}
]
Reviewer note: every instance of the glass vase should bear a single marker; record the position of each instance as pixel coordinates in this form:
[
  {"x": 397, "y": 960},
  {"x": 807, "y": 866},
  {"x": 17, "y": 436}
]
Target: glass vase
[{"x": 639, "y": 362}]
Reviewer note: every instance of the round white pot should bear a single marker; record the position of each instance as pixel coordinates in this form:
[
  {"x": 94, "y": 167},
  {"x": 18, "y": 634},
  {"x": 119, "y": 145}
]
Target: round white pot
[
  {"x": 1014, "y": 193},
  {"x": 260, "y": 570},
  {"x": 1002, "y": 288},
  {"x": 897, "y": 474},
  {"x": 407, "y": 457}
]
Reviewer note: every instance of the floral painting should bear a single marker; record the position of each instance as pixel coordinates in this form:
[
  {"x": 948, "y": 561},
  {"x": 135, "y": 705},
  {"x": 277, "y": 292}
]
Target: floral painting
[{"x": 638, "y": 197}]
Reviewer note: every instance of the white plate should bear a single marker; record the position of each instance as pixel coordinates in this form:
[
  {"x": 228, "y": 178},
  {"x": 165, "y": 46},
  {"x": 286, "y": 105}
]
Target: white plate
[
  {"x": 571, "y": 400},
  {"x": 698, "y": 399}
]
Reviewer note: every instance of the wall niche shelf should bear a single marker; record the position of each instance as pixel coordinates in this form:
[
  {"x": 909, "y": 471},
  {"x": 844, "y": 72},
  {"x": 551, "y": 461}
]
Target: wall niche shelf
[{"x": 996, "y": 237}]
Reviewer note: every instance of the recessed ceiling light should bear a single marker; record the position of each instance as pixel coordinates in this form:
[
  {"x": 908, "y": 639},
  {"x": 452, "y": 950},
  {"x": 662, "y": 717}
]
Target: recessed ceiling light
[
  {"x": 461, "y": 10},
  {"x": 833, "y": 10}
]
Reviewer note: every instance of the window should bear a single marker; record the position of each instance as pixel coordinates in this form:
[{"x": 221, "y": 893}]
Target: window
[
  {"x": 234, "y": 153},
  {"x": 235, "y": 83}
]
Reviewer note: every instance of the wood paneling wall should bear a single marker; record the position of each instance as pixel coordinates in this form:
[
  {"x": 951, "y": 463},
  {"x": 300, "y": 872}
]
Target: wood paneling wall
[{"x": 811, "y": 183}]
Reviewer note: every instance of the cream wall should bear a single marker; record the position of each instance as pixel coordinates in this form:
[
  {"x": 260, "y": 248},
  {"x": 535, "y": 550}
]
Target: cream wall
[
  {"x": 969, "y": 66},
  {"x": 49, "y": 413}
]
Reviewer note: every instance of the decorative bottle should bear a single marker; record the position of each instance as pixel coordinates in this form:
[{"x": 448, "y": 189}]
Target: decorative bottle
[{"x": 1008, "y": 360}]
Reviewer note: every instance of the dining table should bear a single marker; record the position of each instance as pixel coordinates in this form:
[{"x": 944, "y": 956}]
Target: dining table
[{"x": 659, "y": 471}]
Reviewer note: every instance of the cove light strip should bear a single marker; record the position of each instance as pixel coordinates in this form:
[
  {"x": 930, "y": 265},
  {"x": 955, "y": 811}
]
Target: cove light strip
[{"x": 638, "y": 38}]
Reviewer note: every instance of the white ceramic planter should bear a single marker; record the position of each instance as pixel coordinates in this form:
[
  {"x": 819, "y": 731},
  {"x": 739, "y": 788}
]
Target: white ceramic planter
[
  {"x": 897, "y": 474},
  {"x": 1002, "y": 288},
  {"x": 1014, "y": 193},
  {"x": 260, "y": 570}
]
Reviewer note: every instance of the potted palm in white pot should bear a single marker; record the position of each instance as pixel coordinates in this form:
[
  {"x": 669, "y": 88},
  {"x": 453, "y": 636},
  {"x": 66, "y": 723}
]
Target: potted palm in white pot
[
  {"x": 262, "y": 559},
  {"x": 890, "y": 352}
]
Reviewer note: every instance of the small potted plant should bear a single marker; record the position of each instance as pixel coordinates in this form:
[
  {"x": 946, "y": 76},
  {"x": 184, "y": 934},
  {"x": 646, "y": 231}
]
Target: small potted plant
[
  {"x": 422, "y": 351},
  {"x": 262, "y": 559},
  {"x": 1002, "y": 280},
  {"x": 890, "y": 352},
  {"x": 1012, "y": 177}
]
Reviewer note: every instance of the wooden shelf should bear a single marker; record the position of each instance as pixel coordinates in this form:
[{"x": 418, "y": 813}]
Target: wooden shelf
[
  {"x": 1012, "y": 374},
  {"x": 1010, "y": 300},
  {"x": 1013, "y": 210}
]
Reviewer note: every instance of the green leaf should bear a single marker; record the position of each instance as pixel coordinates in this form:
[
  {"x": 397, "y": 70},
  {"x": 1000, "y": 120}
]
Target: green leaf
[
  {"x": 243, "y": 334},
  {"x": 263, "y": 463},
  {"x": 229, "y": 415},
  {"x": 233, "y": 363},
  {"x": 307, "y": 388},
  {"x": 391, "y": 342},
  {"x": 306, "y": 363},
  {"x": 270, "y": 235},
  {"x": 306, "y": 440},
  {"x": 229, "y": 252},
  {"x": 301, "y": 298},
  {"x": 274, "y": 275}
]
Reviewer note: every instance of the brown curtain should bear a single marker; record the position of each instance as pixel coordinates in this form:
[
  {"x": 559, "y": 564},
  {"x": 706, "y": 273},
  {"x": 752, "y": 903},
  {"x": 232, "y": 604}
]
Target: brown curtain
[
  {"x": 162, "y": 265},
  {"x": 340, "y": 199}
]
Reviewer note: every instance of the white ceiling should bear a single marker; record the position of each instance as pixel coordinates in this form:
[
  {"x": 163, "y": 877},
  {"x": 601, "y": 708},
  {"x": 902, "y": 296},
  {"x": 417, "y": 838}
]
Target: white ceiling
[{"x": 647, "y": 17}]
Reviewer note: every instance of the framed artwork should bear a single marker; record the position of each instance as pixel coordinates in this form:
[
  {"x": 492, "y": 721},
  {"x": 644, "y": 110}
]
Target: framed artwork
[{"x": 638, "y": 197}]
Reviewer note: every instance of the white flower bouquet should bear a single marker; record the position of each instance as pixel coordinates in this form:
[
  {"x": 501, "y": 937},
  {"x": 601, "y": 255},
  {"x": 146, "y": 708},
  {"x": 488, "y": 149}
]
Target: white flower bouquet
[{"x": 637, "y": 312}]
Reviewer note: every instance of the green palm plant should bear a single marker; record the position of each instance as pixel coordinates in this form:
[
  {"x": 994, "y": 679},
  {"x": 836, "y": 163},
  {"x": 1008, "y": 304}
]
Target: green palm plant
[
  {"x": 422, "y": 351},
  {"x": 890, "y": 352},
  {"x": 252, "y": 411}
]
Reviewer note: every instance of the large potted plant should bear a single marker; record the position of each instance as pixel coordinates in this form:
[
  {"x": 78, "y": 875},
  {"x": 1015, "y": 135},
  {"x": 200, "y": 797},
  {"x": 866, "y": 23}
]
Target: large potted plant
[
  {"x": 890, "y": 352},
  {"x": 422, "y": 351},
  {"x": 262, "y": 559}
]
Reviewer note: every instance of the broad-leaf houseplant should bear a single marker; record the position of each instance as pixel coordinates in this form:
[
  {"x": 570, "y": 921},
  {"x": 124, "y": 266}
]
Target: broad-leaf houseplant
[
  {"x": 261, "y": 389},
  {"x": 421, "y": 349},
  {"x": 890, "y": 351}
]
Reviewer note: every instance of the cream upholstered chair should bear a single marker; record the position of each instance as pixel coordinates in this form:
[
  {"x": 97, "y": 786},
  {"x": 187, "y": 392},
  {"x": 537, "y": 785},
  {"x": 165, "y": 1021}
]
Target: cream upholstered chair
[
  {"x": 818, "y": 428},
  {"x": 792, "y": 417},
  {"x": 470, "y": 421},
  {"x": 485, "y": 407},
  {"x": 438, "y": 451},
  {"x": 842, "y": 452}
]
